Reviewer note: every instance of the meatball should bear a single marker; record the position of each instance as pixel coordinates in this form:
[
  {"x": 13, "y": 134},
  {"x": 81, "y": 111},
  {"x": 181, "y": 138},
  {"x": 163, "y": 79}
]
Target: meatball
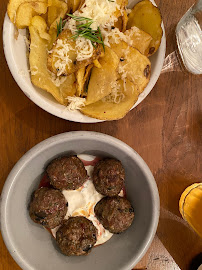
[
  {"x": 67, "y": 173},
  {"x": 115, "y": 213},
  {"x": 48, "y": 207},
  {"x": 76, "y": 236},
  {"x": 108, "y": 177}
]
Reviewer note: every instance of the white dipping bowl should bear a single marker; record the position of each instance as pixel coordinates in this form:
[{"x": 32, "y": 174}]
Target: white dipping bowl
[
  {"x": 15, "y": 53},
  {"x": 33, "y": 248}
]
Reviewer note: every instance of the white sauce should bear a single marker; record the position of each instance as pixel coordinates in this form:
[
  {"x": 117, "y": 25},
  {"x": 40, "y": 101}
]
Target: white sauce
[{"x": 81, "y": 202}]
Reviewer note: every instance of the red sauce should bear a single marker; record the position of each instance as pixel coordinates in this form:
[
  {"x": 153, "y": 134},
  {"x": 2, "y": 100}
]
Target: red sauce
[
  {"x": 45, "y": 182},
  {"x": 92, "y": 162},
  {"x": 124, "y": 191}
]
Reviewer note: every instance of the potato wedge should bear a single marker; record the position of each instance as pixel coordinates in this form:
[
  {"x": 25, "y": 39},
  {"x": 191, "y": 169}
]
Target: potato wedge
[
  {"x": 147, "y": 17},
  {"x": 13, "y": 5},
  {"x": 63, "y": 57},
  {"x": 27, "y": 11},
  {"x": 40, "y": 75},
  {"x": 102, "y": 78},
  {"x": 110, "y": 110},
  {"x": 139, "y": 39},
  {"x": 132, "y": 65}
]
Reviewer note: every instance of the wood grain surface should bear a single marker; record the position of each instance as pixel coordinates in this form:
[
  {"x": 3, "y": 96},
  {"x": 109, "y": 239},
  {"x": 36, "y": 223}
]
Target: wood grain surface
[{"x": 165, "y": 129}]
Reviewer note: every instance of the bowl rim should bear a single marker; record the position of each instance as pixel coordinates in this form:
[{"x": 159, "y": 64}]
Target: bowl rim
[
  {"x": 50, "y": 108},
  {"x": 64, "y": 137}
]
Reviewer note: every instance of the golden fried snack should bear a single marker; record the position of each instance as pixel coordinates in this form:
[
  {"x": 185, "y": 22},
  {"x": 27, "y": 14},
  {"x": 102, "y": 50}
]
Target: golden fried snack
[
  {"x": 116, "y": 105},
  {"x": 64, "y": 46},
  {"x": 148, "y": 18},
  {"x": 132, "y": 65},
  {"x": 101, "y": 80}
]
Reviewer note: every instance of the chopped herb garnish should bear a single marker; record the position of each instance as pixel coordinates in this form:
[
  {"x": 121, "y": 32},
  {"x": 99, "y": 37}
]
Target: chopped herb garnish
[
  {"x": 60, "y": 26},
  {"x": 85, "y": 30}
]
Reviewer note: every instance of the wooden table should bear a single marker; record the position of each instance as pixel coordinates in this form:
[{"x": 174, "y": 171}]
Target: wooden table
[{"x": 164, "y": 129}]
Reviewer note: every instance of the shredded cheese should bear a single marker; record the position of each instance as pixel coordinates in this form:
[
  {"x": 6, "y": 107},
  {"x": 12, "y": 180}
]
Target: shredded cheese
[
  {"x": 100, "y": 11},
  {"x": 75, "y": 103},
  {"x": 61, "y": 58},
  {"x": 114, "y": 36},
  {"x": 84, "y": 49}
]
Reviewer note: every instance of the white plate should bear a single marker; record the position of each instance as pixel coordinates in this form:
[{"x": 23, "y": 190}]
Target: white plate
[{"x": 15, "y": 52}]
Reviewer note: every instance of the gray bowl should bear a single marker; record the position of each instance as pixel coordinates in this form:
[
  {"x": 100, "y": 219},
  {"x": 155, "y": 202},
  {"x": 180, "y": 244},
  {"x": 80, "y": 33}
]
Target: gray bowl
[{"x": 33, "y": 248}]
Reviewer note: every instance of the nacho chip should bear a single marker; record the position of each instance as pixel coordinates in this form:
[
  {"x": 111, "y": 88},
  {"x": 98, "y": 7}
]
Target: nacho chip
[
  {"x": 109, "y": 110},
  {"x": 148, "y": 18},
  {"x": 139, "y": 40},
  {"x": 27, "y": 11},
  {"x": 102, "y": 78}
]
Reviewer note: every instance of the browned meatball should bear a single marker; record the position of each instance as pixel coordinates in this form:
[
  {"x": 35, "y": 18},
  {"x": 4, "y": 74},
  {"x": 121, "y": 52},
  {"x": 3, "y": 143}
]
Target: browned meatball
[
  {"x": 48, "y": 207},
  {"x": 76, "y": 236},
  {"x": 108, "y": 177},
  {"x": 67, "y": 173},
  {"x": 115, "y": 213}
]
